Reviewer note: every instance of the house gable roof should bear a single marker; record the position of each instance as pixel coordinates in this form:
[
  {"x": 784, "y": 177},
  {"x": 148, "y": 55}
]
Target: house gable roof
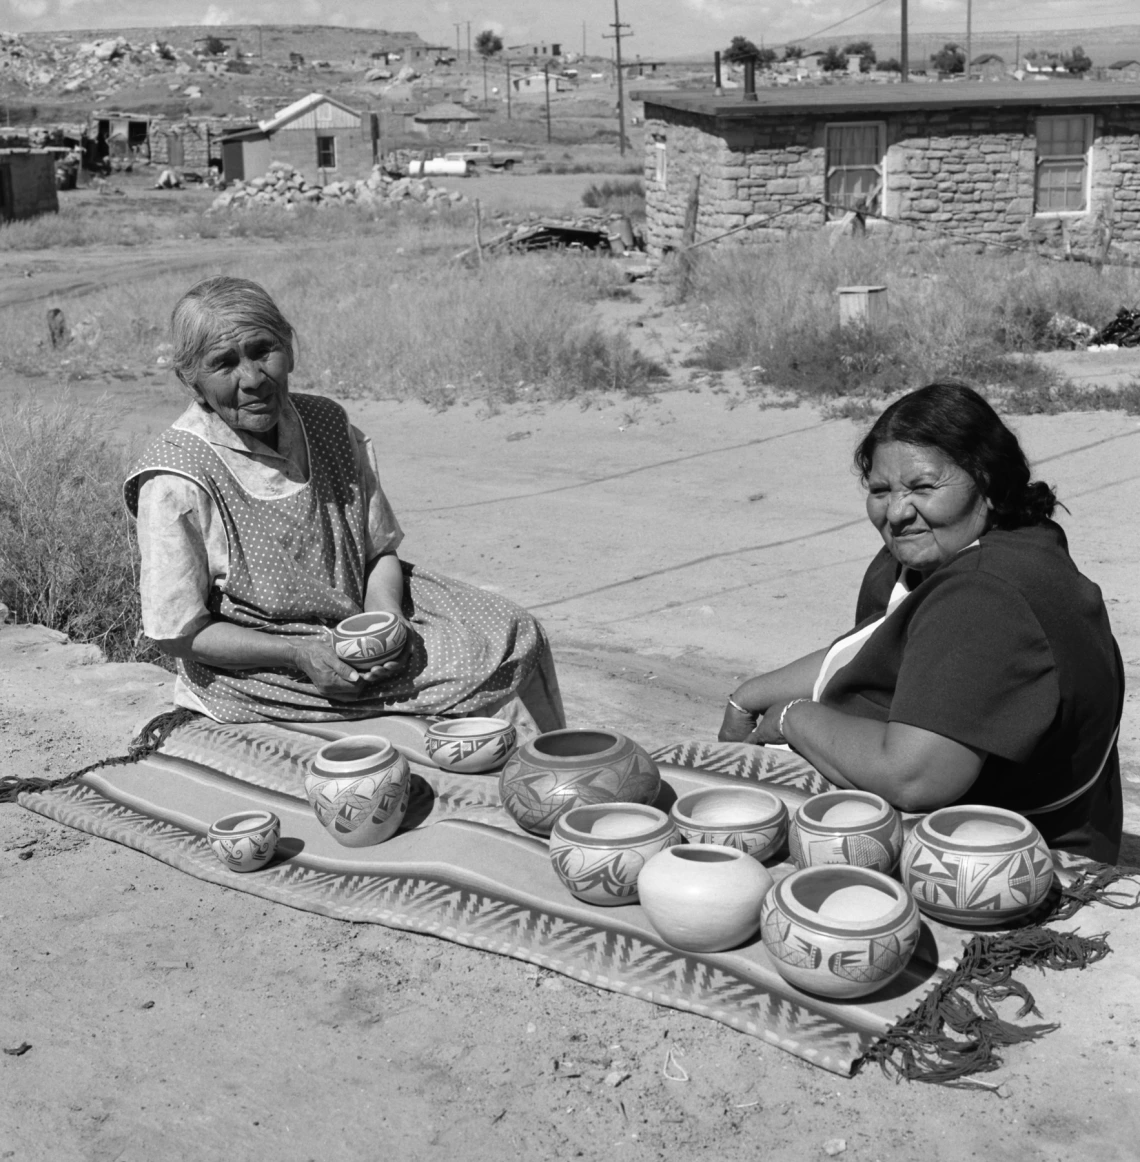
[
  {"x": 299, "y": 108},
  {"x": 446, "y": 111}
]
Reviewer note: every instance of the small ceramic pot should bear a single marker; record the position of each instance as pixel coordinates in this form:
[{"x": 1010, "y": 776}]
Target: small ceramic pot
[
  {"x": 748, "y": 818},
  {"x": 599, "y": 851},
  {"x": 839, "y": 931},
  {"x": 852, "y": 827},
  {"x": 566, "y": 768},
  {"x": 366, "y": 639},
  {"x": 976, "y": 866},
  {"x": 359, "y": 788},
  {"x": 245, "y": 841},
  {"x": 702, "y": 897},
  {"x": 470, "y": 745}
]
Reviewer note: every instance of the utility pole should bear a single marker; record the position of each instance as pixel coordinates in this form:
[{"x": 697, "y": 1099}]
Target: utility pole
[
  {"x": 583, "y": 40},
  {"x": 904, "y": 51},
  {"x": 484, "y": 80},
  {"x": 459, "y": 51},
  {"x": 969, "y": 35},
  {"x": 621, "y": 30},
  {"x": 469, "y": 44},
  {"x": 508, "y": 88},
  {"x": 546, "y": 75},
  {"x": 1017, "y": 53},
  {"x": 260, "y": 55}
]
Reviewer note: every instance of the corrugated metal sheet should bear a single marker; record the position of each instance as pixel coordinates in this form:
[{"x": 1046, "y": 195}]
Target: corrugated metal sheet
[{"x": 325, "y": 117}]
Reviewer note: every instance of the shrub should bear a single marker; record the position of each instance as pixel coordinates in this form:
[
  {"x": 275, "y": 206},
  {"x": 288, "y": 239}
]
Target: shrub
[
  {"x": 617, "y": 197},
  {"x": 68, "y": 558}
]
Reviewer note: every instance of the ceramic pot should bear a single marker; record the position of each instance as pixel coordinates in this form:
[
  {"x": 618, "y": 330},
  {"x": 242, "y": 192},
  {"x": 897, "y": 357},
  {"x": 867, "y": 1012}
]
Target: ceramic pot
[
  {"x": 976, "y": 866},
  {"x": 245, "y": 841},
  {"x": 748, "y": 818},
  {"x": 599, "y": 851},
  {"x": 839, "y": 931},
  {"x": 470, "y": 745},
  {"x": 359, "y": 788},
  {"x": 702, "y": 897},
  {"x": 567, "y": 768},
  {"x": 366, "y": 639},
  {"x": 852, "y": 827}
]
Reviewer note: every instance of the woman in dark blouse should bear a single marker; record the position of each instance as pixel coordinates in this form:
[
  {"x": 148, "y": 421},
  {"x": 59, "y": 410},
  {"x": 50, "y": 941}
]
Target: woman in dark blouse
[{"x": 982, "y": 667}]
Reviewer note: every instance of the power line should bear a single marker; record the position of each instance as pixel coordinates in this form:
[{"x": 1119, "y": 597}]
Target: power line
[{"x": 845, "y": 20}]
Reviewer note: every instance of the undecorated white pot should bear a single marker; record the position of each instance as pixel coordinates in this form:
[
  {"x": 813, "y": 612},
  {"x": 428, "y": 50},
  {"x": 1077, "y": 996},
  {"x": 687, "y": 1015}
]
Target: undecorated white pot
[{"x": 702, "y": 897}]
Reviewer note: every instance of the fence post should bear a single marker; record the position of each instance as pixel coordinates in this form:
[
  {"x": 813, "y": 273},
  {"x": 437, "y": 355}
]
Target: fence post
[{"x": 862, "y": 306}]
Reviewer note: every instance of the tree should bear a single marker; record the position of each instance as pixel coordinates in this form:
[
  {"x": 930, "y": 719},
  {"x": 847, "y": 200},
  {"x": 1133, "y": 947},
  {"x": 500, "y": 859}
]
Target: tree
[
  {"x": 488, "y": 43},
  {"x": 950, "y": 59},
  {"x": 741, "y": 50},
  {"x": 890, "y": 65},
  {"x": 793, "y": 52},
  {"x": 214, "y": 46},
  {"x": 865, "y": 51},
  {"x": 1077, "y": 61},
  {"x": 833, "y": 61}
]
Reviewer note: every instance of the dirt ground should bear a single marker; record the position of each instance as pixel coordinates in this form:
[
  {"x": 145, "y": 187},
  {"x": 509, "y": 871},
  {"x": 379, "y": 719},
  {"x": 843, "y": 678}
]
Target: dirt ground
[{"x": 672, "y": 545}]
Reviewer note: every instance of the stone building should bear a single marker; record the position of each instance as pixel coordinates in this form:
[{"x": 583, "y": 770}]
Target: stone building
[
  {"x": 323, "y": 139},
  {"x": 27, "y": 184},
  {"x": 997, "y": 162}
]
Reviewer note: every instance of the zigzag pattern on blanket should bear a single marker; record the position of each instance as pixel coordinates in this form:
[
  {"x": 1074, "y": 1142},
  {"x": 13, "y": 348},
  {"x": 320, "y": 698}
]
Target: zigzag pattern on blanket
[
  {"x": 744, "y": 761},
  {"x": 599, "y": 954}
]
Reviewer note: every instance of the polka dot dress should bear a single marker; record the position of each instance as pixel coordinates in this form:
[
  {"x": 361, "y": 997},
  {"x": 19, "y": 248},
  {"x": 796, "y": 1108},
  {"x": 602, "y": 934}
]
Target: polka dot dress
[{"x": 297, "y": 567}]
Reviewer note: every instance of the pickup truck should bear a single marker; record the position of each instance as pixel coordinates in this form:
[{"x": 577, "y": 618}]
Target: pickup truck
[{"x": 481, "y": 153}]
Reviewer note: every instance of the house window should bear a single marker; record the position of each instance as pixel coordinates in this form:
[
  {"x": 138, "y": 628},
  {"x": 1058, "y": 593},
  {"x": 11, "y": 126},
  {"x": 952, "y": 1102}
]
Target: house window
[
  {"x": 854, "y": 167},
  {"x": 660, "y": 168},
  {"x": 1062, "y": 164},
  {"x": 326, "y": 152}
]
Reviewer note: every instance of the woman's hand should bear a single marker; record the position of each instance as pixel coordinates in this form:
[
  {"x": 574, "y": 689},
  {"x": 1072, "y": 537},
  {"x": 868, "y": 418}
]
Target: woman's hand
[
  {"x": 767, "y": 730},
  {"x": 392, "y": 667},
  {"x": 738, "y": 724},
  {"x": 331, "y": 675}
]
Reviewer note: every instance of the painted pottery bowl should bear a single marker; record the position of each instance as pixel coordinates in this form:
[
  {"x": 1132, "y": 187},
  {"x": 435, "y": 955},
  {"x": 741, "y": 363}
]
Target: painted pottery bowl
[
  {"x": 839, "y": 931},
  {"x": 567, "y": 768},
  {"x": 470, "y": 745},
  {"x": 366, "y": 639},
  {"x": 702, "y": 897},
  {"x": 246, "y": 840},
  {"x": 748, "y": 818},
  {"x": 599, "y": 851},
  {"x": 359, "y": 788},
  {"x": 852, "y": 827},
  {"x": 976, "y": 866}
]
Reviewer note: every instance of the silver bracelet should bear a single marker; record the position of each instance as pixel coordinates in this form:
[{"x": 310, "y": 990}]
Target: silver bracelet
[
  {"x": 736, "y": 706},
  {"x": 784, "y": 714}
]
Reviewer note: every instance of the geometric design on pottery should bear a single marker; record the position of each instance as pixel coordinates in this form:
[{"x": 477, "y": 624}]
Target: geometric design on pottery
[
  {"x": 865, "y": 851},
  {"x": 611, "y": 873},
  {"x": 875, "y": 844},
  {"x": 452, "y": 751},
  {"x": 359, "y": 647},
  {"x": 483, "y": 909},
  {"x": 247, "y": 849},
  {"x": 371, "y": 798},
  {"x": 752, "y": 840},
  {"x": 795, "y": 950},
  {"x": 883, "y": 957},
  {"x": 536, "y": 795}
]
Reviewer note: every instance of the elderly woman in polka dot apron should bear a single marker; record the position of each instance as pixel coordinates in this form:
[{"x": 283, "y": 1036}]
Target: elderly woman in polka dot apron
[{"x": 262, "y": 524}]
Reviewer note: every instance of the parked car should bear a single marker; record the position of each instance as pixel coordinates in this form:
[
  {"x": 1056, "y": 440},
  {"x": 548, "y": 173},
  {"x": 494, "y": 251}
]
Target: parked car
[{"x": 482, "y": 153}]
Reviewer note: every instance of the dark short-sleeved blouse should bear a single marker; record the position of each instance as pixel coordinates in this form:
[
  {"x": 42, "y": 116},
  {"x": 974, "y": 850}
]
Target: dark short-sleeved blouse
[{"x": 1006, "y": 648}]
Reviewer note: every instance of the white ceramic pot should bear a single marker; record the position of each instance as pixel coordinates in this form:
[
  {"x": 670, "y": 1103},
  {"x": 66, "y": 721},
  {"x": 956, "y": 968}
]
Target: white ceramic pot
[
  {"x": 852, "y": 827},
  {"x": 470, "y": 746},
  {"x": 366, "y": 639},
  {"x": 702, "y": 897},
  {"x": 749, "y": 818},
  {"x": 246, "y": 840},
  {"x": 839, "y": 931},
  {"x": 976, "y": 866},
  {"x": 359, "y": 788},
  {"x": 565, "y": 768},
  {"x": 599, "y": 851}
]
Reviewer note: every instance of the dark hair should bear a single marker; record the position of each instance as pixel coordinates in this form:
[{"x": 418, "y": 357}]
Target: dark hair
[{"x": 952, "y": 417}]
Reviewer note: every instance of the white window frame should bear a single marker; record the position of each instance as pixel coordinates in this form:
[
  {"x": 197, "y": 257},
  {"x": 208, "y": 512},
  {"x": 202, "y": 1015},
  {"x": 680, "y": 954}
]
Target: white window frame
[
  {"x": 1088, "y": 160},
  {"x": 834, "y": 212},
  {"x": 326, "y": 137},
  {"x": 661, "y": 164}
]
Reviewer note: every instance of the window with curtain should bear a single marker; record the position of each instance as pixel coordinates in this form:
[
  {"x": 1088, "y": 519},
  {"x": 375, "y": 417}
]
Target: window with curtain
[
  {"x": 1063, "y": 145},
  {"x": 855, "y": 167}
]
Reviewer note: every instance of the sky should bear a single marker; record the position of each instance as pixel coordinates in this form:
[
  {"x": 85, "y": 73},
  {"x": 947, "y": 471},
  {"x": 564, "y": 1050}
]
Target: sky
[{"x": 660, "y": 27}]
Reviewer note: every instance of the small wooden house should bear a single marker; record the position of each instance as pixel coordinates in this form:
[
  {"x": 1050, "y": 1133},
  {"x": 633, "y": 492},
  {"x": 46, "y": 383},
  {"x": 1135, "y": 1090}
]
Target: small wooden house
[
  {"x": 444, "y": 121},
  {"x": 323, "y": 139},
  {"x": 27, "y": 184}
]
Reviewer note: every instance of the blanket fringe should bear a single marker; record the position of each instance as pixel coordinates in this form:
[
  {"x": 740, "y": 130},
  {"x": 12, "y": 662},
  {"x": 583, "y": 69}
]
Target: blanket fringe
[
  {"x": 1092, "y": 885},
  {"x": 956, "y": 1031},
  {"x": 146, "y": 742}
]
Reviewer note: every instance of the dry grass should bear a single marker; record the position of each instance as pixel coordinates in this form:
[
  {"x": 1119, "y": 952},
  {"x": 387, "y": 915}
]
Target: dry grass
[
  {"x": 68, "y": 558},
  {"x": 772, "y": 309}
]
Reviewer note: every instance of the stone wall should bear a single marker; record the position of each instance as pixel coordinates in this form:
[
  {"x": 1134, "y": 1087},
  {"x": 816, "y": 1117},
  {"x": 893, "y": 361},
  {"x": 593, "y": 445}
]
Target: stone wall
[{"x": 967, "y": 173}]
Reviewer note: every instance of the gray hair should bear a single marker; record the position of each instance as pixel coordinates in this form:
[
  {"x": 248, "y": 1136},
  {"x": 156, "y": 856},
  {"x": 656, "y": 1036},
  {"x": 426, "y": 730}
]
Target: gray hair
[{"x": 215, "y": 306}]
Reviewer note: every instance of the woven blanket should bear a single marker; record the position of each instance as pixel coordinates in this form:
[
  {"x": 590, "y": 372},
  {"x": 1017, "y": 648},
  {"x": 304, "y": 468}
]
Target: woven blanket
[{"x": 462, "y": 870}]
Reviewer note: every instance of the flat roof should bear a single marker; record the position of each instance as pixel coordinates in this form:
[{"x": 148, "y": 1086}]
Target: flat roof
[{"x": 891, "y": 97}]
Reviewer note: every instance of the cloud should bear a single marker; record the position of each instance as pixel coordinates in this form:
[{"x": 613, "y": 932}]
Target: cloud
[
  {"x": 29, "y": 9},
  {"x": 215, "y": 15}
]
